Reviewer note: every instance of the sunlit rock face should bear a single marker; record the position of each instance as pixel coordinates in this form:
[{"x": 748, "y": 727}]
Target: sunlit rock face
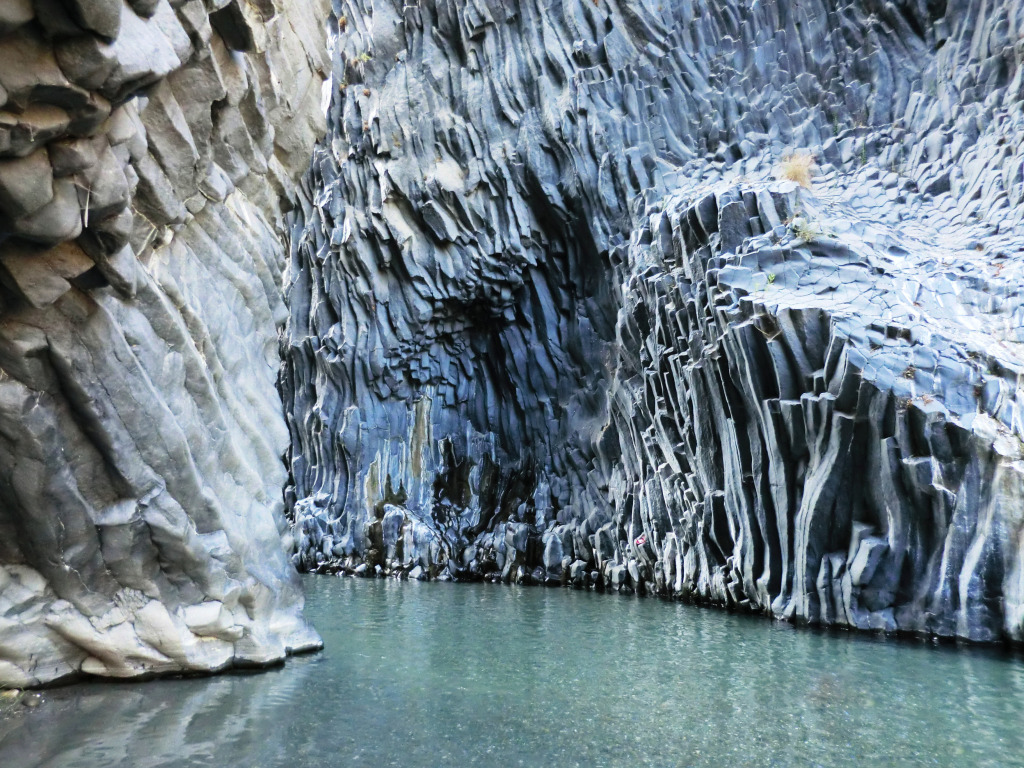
[
  {"x": 561, "y": 309},
  {"x": 148, "y": 151}
]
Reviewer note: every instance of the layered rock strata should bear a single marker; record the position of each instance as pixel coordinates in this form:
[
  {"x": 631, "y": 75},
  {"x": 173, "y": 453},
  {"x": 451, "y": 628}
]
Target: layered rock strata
[
  {"x": 148, "y": 151},
  {"x": 560, "y": 310}
]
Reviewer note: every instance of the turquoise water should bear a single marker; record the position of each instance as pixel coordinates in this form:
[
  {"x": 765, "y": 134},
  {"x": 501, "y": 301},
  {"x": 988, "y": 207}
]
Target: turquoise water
[{"x": 418, "y": 674}]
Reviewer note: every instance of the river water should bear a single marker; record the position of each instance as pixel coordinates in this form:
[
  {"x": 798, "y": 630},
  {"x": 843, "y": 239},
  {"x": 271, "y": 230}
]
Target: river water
[{"x": 420, "y": 674}]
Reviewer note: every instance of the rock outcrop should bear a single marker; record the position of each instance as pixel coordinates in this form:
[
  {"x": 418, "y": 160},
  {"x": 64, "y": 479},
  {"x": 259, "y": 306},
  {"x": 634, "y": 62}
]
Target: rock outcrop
[
  {"x": 564, "y": 305},
  {"x": 148, "y": 152}
]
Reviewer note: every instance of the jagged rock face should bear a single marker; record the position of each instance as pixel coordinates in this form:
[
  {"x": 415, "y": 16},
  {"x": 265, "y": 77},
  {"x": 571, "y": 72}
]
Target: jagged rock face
[
  {"x": 558, "y": 314},
  {"x": 147, "y": 149}
]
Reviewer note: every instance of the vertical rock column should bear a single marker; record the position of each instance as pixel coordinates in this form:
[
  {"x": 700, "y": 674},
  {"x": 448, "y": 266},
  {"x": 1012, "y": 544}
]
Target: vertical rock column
[{"x": 565, "y": 308}]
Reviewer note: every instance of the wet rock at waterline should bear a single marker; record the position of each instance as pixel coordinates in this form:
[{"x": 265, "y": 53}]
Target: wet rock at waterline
[
  {"x": 148, "y": 151},
  {"x": 566, "y": 307}
]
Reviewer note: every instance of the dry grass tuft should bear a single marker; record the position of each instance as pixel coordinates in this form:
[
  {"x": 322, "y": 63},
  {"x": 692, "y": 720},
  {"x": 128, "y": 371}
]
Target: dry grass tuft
[{"x": 798, "y": 167}]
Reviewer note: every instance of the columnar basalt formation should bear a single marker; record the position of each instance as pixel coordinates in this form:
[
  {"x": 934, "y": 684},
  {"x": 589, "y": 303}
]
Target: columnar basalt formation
[
  {"x": 562, "y": 309},
  {"x": 148, "y": 152}
]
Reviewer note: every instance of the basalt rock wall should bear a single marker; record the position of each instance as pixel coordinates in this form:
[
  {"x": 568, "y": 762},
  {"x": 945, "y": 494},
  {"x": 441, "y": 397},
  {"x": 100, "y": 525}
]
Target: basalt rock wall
[
  {"x": 566, "y": 304},
  {"x": 148, "y": 152}
]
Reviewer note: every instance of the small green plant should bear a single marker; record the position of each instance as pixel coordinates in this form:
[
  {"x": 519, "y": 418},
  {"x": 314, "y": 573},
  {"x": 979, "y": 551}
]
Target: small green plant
[
  {"x": 805, "y": 229},
  {"x": 802, "y": 229},
  {"x": 771, "y": 278},
  {"x": 361, "y": 58}
]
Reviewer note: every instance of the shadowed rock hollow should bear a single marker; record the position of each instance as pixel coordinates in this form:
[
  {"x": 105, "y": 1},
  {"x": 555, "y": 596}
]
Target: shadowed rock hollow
[{"x": 558, "y": 314}]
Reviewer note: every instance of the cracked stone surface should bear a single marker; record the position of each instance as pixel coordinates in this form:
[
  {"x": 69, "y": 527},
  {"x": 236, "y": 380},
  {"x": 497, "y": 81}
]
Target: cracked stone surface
[
  {"x": 148, "y": 153},
  {"x": 560, "y": 311}
]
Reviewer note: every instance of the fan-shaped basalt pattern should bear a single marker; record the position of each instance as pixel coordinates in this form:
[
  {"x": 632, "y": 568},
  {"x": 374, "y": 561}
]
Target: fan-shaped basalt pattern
[{"x": 553, "y": 316}]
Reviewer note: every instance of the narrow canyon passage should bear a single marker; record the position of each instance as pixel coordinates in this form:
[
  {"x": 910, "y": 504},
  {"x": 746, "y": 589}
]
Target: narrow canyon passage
[
  {"x": 712, "y": 300},
  {"x": 717, "y": 301}
]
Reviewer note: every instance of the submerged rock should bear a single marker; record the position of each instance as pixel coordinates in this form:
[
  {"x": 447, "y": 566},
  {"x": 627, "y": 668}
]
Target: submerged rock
[{"x": 567, "y": 289}]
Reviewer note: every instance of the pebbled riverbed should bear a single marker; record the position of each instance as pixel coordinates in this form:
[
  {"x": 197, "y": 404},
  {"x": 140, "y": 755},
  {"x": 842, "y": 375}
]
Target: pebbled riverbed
[{"x": 423, "y": 674}]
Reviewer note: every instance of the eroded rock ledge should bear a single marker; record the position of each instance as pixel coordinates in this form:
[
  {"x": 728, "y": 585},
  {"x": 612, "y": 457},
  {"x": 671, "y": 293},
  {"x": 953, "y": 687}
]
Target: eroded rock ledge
[
  {"x": 148, "y": 150},
  {"x": 557, "y": 315}
]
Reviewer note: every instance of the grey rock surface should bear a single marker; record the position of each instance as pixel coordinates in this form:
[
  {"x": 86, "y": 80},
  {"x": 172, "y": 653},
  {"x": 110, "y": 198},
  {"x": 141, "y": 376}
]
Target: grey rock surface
[
  {"x": 560, "y": 310},
  {"x": 145, "y": 169}
]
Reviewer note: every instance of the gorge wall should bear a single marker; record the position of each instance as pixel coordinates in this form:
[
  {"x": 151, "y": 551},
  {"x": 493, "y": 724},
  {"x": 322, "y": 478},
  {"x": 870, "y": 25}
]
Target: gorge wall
[
  {"x": 561, "y": 305},
  {"x": 561, "y": 309},
  {"x": 148, "y": 152}
]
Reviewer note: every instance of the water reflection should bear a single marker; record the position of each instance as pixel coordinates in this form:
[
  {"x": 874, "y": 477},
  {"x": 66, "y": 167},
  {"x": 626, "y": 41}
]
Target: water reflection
[
  {"x": 424, "y": 674},
  {"x": 166, "y": 723}
]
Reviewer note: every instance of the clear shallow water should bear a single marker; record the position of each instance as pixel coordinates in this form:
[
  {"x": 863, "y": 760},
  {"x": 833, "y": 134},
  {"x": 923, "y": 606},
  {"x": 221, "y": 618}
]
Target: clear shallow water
[{"x": 435, "y": 674}]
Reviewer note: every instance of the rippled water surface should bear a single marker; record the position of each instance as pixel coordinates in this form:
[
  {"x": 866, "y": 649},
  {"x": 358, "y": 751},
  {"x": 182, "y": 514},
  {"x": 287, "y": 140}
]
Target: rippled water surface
[{"x": 434, "y": 674}]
